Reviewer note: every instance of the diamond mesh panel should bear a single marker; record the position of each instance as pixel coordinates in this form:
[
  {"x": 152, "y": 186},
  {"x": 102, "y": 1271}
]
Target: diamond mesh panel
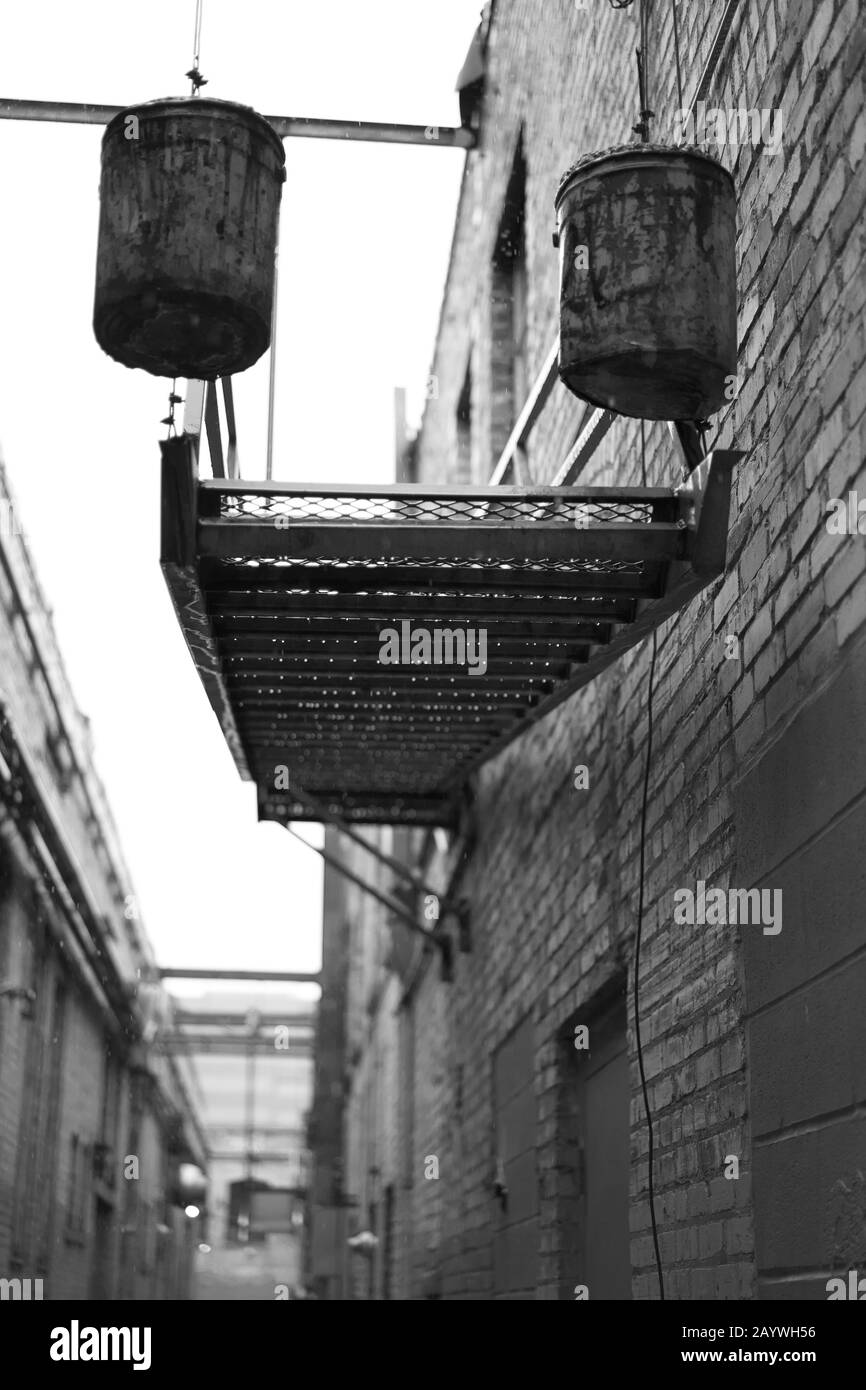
[
  {"x": 312, "y": 510},
  {"x": 297, "y": 635}
]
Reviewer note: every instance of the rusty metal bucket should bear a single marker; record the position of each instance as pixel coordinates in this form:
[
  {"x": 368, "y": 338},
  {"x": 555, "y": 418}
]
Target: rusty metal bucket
[
  {"x": 648, "y": 310},
  {"x": 189, "y": 212}
]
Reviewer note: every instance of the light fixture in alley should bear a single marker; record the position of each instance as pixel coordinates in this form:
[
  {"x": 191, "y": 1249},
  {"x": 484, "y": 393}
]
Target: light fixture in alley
[
  {"x": 189, "y": 210},
  {"x": 191, "y": 1211},
  {"x": 648, "y": 320}
]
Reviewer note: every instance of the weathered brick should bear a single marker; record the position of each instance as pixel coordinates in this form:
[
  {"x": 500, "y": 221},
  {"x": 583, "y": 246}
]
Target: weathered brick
[{"x": 552, "y": 884}]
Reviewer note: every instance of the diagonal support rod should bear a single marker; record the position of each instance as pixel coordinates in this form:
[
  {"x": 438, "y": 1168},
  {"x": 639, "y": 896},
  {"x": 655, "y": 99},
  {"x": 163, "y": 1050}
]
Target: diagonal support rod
[
  {"x": 442, "y": 943},
  {"x": 385, "y": 898},
  {"x": 448, "y": 905}
]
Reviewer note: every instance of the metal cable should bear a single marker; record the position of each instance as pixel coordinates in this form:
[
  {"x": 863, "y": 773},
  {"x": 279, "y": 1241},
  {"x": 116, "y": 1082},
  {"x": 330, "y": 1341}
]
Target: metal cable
[
  {"x": 194, "y": 74},
  {"x": 639, "y": 929},
  {"x": 197, "y": 40}
]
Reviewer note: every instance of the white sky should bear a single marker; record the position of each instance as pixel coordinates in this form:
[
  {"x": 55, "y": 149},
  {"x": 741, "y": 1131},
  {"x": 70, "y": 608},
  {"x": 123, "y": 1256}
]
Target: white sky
[{"x": 364, "y": 245}]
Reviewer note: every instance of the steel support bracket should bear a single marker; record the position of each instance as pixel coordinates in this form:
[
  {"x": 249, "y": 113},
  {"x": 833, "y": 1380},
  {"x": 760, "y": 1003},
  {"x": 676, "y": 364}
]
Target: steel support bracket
[{"x": 708, "y": 493}]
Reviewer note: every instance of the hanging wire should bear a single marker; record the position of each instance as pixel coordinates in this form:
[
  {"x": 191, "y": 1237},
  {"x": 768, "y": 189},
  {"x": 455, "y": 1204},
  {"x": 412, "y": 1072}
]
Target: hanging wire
[
  {"x": 194, "y": 75},
  {"x": 639, "y": 928},
  {"x": 642, "y": 55}
]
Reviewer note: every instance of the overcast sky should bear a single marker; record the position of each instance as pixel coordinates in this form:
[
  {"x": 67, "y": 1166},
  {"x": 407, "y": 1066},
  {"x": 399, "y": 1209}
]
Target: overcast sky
[{"x": 364, "y": 246}]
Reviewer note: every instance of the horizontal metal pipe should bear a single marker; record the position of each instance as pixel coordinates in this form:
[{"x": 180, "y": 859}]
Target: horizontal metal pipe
[
  {"x": 287, "y": 127},
  {"x": 535, "y": 403},
  {"x": 202, "y": 1019}
]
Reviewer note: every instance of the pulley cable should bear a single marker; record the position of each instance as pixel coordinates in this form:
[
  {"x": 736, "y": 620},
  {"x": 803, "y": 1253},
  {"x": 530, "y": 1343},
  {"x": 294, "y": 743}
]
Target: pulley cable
[
  {"x": 639, "y": 930},
  {"x": 194, "y": 75}
]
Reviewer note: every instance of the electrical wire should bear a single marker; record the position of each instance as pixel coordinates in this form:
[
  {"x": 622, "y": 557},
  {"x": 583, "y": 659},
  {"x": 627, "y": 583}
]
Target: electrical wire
[
  {"x": 194, "y": 74},
  {"x": 639, "y": 929},
  {"x": 197, "y": 40}
]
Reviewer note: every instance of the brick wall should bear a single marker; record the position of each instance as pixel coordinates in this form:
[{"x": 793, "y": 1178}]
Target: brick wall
[
  {"x": 726, "y": 1012},
  {"x": 65, "y": 1216}
]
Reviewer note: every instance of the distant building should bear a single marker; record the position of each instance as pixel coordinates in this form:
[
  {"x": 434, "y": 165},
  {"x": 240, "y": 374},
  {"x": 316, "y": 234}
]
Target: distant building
[{"x": 254, "y": 1103}]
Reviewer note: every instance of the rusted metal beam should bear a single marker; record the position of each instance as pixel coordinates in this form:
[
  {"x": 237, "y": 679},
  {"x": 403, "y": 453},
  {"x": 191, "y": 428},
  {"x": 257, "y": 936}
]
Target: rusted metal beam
[{"x": 287, "y": 127}]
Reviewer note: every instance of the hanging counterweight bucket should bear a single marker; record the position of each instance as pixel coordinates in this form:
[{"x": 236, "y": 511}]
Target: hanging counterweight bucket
[
  {"x": 648, "y": 308},
  {"x": 189, "y": 213}
]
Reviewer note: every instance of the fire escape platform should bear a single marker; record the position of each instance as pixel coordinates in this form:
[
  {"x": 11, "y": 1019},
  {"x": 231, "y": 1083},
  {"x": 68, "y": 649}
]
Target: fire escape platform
[{"x": 284, "y": 592}]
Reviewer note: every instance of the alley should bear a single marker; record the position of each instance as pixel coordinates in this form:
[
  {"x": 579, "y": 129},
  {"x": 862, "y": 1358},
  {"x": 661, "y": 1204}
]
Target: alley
[{"x": 433, "y": 664}]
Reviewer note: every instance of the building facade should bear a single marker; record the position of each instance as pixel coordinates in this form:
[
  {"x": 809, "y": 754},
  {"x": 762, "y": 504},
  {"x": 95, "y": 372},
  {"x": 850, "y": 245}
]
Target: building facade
[
  {"x": 253, "y": 1109},
  {"x": 490, "y": 1133},
  {"x": 96, "y": 1117}
]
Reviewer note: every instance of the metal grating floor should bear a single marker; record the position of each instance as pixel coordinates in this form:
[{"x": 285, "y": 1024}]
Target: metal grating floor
[{"x": 284, "y": 592}]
